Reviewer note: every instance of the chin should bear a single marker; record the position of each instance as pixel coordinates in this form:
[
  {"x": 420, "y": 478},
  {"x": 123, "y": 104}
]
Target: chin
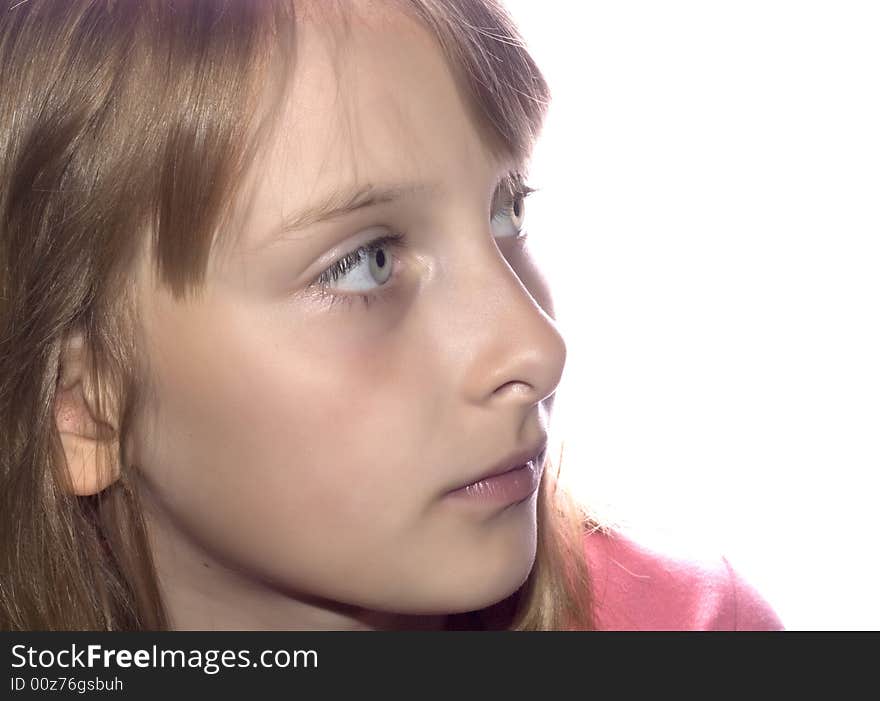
[
  {"x": 487, "y": 592},
  {"x": 478, "y": 580},
  {"x": 491, "y": 569}
]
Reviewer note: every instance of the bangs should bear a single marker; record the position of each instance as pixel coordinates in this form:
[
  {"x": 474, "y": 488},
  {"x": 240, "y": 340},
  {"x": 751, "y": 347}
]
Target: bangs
[{"x": 504, "y": 87}]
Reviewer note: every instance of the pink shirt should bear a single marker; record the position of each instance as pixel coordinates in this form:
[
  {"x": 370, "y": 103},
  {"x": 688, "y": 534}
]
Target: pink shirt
[{"x": 637, "y": 588}]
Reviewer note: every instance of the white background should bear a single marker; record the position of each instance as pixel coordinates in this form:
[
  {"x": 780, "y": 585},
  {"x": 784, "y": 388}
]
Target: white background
[{"x": 709, "y": 221}]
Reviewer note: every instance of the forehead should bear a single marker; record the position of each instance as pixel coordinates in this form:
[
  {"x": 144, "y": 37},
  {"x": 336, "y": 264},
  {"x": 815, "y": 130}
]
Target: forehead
[{"x": 371, "y": 100}]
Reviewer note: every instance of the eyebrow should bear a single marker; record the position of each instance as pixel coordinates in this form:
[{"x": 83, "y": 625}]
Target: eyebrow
[{"x": 342, "y": 203}]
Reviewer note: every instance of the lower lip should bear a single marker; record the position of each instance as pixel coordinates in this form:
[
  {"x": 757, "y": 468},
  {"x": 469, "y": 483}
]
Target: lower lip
[{"x": 506, "y": 488}]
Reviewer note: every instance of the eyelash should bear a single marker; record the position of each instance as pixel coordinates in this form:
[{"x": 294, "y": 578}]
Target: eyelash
[
  {"x": 514, "y": 188},
  {"x": 349, "y": 261}
]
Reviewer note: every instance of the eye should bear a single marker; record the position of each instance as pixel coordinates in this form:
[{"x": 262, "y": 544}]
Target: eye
[
  {"x": 361, "y": 273},
  {"x": 508, "y": 207},
  {"x": 358, "y": 270}
]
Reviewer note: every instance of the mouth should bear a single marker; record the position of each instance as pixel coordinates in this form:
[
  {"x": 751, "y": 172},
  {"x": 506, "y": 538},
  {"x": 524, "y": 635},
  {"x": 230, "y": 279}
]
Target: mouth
[{"x": 512, "y": 480}]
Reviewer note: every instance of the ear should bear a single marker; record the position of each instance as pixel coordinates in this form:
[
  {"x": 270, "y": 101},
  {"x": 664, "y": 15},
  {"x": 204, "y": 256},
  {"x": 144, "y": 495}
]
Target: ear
[{"x": 84, "y": 434}]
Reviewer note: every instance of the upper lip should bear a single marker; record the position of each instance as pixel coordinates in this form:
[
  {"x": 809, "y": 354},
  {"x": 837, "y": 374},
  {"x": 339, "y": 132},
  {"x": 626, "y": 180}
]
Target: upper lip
[{"x": 511, "y": 462}]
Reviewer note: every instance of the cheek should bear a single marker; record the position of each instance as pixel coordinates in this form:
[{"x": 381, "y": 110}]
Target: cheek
[{"x": 274, "y": 448}]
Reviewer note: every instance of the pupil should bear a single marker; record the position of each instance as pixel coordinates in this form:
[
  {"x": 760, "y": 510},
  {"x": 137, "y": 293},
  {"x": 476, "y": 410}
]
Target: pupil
[
  {"x": 380, "y": 258},
  {"x": 517, "y": 207}
]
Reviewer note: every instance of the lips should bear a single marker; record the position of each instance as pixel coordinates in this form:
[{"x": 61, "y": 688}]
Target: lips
[{"x": 512, "y": 462}]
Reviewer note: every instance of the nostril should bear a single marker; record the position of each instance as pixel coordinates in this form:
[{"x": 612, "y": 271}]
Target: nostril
[{"x": 514, "y": 386}]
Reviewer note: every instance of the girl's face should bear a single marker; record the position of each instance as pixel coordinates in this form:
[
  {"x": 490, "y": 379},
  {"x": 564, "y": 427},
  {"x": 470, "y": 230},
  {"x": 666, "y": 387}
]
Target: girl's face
[{"x": 297, "y": 453}]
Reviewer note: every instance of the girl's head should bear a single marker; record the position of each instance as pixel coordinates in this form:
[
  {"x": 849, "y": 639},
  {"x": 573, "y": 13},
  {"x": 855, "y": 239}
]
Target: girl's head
[{"x": 265, "y": 302}]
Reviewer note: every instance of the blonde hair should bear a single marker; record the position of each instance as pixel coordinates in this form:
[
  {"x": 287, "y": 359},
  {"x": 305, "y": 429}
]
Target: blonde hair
[{"x": 131, "y": 123}]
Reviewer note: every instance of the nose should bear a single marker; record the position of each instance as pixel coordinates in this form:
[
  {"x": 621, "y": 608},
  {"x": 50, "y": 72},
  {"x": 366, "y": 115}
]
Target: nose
[{"x": 514, "y": 353}]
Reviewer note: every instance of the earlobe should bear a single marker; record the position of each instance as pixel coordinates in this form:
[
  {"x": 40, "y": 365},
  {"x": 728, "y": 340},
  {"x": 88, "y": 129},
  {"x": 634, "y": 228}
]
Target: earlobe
[{"x": 87, "y": 473}]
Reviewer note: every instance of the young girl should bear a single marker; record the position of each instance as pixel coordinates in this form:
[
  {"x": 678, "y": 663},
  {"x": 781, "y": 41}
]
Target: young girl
[{"x": 273, "y": 350}]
